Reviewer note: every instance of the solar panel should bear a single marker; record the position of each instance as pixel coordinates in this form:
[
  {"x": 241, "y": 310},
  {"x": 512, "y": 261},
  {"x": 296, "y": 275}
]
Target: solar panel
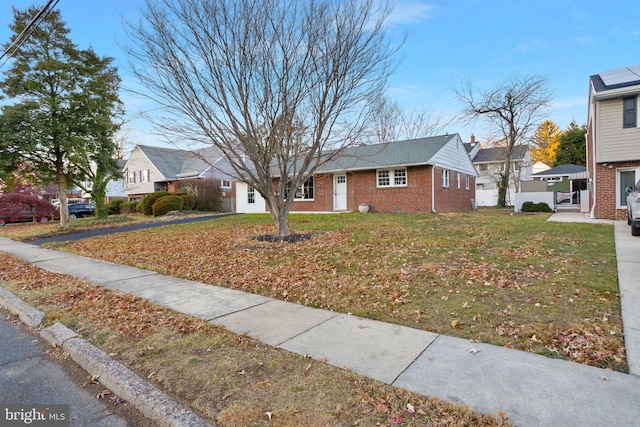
[{"x": 621, "y": 75}]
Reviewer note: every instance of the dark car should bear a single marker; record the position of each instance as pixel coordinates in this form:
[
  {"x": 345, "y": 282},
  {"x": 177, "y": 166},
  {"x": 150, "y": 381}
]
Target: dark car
[{"x": 80, "y": 210}]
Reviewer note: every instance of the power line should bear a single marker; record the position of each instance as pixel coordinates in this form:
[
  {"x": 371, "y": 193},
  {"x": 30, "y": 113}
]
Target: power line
[{"x": 28, "y": 30}]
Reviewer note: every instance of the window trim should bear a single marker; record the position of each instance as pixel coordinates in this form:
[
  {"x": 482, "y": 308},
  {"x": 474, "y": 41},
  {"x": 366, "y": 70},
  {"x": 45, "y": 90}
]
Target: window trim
[
  {"x": 309, "y": 184},
  {"x": 222, "y": 182},
  {"x": 467, "y": 181},
  {"x": 630, "y": 115},
  {"x": 251, "y": 194},
  {"x": 394, "y": 175},
  {"x": 445, "y": 178},
  {"x": 619, "y": 189}
]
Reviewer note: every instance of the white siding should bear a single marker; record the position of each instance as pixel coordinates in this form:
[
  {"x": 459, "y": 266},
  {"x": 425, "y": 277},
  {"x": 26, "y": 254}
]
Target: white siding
[
  {"x": 453, "y": 156},
  {"x": 615, "y": 143},
  {"x": 242, "y": 202},
  {"x": 138, "y": 162}
]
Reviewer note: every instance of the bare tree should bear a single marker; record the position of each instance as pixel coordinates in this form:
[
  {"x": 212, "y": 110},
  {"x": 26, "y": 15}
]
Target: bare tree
[
  {"x": 392, "y": 123},
  {"x": 513, "y": 109},
  {"x": 279, "y": 86}
]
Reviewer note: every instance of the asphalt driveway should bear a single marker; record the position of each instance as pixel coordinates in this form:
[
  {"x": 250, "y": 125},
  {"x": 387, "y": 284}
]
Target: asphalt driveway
[{"x": 85, "y": 234}]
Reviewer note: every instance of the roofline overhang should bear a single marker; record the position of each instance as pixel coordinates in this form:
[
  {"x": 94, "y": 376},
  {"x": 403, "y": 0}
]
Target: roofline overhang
[{"x": 615, "y": 93}]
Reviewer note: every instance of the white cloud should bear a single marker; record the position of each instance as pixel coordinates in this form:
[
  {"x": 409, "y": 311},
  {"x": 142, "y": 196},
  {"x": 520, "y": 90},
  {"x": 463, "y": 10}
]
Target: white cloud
[{"x": 411, "y": 12}]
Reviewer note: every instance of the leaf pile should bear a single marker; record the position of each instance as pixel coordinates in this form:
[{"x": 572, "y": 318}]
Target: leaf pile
[
  {"x": 231, "y": 380},
  {"x": 495, "y": 281}
]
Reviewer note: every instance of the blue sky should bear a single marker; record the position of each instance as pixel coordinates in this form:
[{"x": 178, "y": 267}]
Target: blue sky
[{"x": 447, "y": 41}]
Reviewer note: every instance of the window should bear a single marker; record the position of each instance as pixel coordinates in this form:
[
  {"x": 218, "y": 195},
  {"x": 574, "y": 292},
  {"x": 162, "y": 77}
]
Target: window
[
  {"x": 626, "y": 178},
  {"x": 467, "y": 181},
  {"x": 458, "y": 180},
  {"x": 392, "y": 177},
  {"x": 303, "y": 192},
  {"x": 131, "y": 178},
  {"x": 629, "y": 112},
  {"x": 383, "y": 178},
  {"x": 399, "y": 177},
  {"x": 482, "y": 167},
  {"x": 251, "y": 194},
  {"x": 144, "y": 176},
  {"x": 225, "y": 183},
  {"x": 445, "y": 178}
]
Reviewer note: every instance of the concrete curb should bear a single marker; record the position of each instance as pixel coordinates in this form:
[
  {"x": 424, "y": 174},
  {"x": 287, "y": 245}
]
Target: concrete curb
[
  {"x": 145, "y": 397},
  {"x": 29, "y": 315}
]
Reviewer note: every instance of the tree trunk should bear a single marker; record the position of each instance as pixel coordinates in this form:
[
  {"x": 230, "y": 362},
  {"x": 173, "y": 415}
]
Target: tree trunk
[
  {"x": 62, "y": 198},
  {"x": 281, "y": 220}
]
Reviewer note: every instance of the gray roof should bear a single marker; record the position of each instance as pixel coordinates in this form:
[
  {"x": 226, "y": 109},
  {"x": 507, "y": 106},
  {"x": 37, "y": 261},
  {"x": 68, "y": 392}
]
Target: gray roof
[
  {"x": 614, "y": 79},
  {"x": 498, "y": 154},
  {"x": 399, "y": 153},
  {"x": 563, "y": 170},
  {"x": 174, "y": 163}
]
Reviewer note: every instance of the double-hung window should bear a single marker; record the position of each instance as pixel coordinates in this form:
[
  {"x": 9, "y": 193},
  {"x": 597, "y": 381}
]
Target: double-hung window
[
  {"x": 392, "y": 177},
  {"x": 445, "y": 178},
  {"x": 629, "y": 112}
]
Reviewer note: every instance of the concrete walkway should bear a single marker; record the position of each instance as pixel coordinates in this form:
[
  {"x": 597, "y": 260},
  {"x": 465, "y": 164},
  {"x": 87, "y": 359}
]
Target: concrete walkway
[{"x": 533, "y": 390}]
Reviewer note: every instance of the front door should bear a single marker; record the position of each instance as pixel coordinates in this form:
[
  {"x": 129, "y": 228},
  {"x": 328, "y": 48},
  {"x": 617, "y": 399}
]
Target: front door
[{"x": 340, "y": 192}]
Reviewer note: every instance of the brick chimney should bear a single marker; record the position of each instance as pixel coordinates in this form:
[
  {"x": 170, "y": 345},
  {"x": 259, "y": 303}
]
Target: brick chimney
[{"x": 473, "y": 139}]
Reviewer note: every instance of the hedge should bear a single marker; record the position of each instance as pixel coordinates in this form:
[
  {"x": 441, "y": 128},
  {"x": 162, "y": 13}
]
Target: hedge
[
  {"x": 535, "y": 207},
  {"x": 166, "y": 204},
  {"x": 149, "y": 200},
  {"x": 129, "y": 207}
]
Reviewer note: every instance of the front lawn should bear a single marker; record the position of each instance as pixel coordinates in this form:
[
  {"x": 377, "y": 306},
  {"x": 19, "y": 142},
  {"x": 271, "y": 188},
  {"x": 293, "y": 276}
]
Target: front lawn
[{"x": 510, "y": 280}]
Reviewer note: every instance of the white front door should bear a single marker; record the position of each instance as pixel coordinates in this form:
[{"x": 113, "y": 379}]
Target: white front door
[{"x": 340, "y": 192}]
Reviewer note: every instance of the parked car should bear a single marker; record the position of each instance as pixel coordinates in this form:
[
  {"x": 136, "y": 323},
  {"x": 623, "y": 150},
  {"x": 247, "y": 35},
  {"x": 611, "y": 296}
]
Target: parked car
[
  {"x": 17, "y": 207},
  {"x": 633, "y": 208},
  {"x": 23, "y": 215},
  {"x": 80, "y": 210}
]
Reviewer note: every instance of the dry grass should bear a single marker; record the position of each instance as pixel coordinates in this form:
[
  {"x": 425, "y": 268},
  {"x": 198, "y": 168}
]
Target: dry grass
[
  {"x": 511, "y": 280},
  {"x": 230, "y": 380}
]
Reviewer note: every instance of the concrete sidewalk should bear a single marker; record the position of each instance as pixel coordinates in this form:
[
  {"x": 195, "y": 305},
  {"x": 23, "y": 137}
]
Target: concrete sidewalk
[{"x": 533, "y": 390}]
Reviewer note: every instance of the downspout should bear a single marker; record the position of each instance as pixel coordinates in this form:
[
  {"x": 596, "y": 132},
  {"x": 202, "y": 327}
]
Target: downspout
[
  {"x": 433, "y": 189},
  {"x": 593, "y": 161}
]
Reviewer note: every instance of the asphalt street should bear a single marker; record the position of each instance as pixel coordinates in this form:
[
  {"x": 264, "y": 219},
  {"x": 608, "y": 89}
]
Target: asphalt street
[{"x": 29, "y": 376}]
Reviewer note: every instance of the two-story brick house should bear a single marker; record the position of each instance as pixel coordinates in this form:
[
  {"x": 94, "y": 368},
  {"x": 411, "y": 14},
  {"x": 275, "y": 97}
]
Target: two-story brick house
[{"x": 613, "y": 140}]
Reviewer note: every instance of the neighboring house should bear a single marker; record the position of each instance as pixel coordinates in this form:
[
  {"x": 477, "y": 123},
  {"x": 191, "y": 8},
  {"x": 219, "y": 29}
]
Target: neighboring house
[
  {"x": 490, "y": 164},
  {"x": 568, "y": 182},
  {"x": 613, "y": 140},
  {"x": 421, "y": 175},
  {"x": 114, "y": 190},
  {"x": 539, "y": 167},
  {"x": 150, "y": 169}
]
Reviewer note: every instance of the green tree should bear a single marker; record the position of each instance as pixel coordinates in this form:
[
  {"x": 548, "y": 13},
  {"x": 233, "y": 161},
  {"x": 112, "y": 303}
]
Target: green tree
[
  {"x": 545, "y": 141},
  {"x": 573, "y": 146},
  {"x": 60, "y": 105}
]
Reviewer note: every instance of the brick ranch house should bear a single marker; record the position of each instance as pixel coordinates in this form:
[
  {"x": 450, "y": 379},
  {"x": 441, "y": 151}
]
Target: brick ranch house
[
  {"x": 613, "y": 140},
  {"x": 432, "y": 174}
]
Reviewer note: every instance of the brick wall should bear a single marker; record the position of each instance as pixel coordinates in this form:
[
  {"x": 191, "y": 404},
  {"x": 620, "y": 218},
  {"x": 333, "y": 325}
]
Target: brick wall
[
  {"x": 414, "y": 198},
  {"x": 607, "y": 193},
  {"x": 452, "y": 199}
]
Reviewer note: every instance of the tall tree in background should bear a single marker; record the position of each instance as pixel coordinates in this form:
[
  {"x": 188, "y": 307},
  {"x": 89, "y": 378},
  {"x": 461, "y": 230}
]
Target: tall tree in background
[
  {"x": 573, "y": 146},
  {"x": 546, "y": 140},
  {"x": 278, "y": 86},
  {"x": 60, "y": 106},
  {"x": 513, "y": 109}
]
